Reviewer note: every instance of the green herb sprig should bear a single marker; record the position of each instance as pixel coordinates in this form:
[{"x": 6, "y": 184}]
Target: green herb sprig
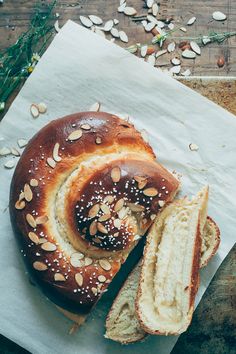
[{"x": 19, "y": 60}]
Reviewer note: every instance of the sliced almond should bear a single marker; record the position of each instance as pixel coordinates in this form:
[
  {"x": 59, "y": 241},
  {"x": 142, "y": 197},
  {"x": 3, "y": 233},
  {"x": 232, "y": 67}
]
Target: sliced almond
[
  {"x": 76, "y": 259},
  {"x": 94, "y": 291},
  {"x": 33, "y": 237},
  {"x": 115, "y": 174},
  {"x": 188, "y": 54},
  {"x": 75, "y": 135},
  {"x": 49, "y": 246},
  {"x": 155, "y": 9},
  {"x": 191, "y": 21},
  {"x": 15, "y": 152},
  {"x": 123, "y": 37},
  {"x": 105, "y": 208},
  {"x": 98, "y": 140},
  {"x": 31, "y": 220},
  {"x": 95, "y": 107},
  {"x": 149, "y": 3},
  {"x": 5, "y": 151},
  {"x": 171, "y": 47},
  {"x": 219, "y": 16},
  {"x": 195, "y": 47},
  {"x": 42, "y": 107},
  {"x": 93, "y": 228},
  {"x": 95, "y": 19},
  {"x": 161, "y": 203},
  {"x": 119, "y": 205},
  {"x": 123, "y": 213},
  {"x": 86, "y": 21},
  {"x": 129, "y": 11},
  {"x": 55, "y": 153},
  {"x": 79, "y": 279},
  {"x": 102, "y": 278},
  {"x": 20, "y": 204},
  {"x": 143, "y": 51},
  {"x": 108, "y": 25},
  {"x": 104, "y": 217},
  {"x": 105, "y": 264},
  {"x": 193, "y": 147},
  {"x": 34, "y": 182},
  {"x": 9, "y": 164},
  {"x": 150, "y": 192},
  {"x": 28, "y": 193},
  {"x": 59, "y": 277},
  {"x": 117, "y": 223},
  {"x": 135, "y": 207},
  {"x": 42, "y": 240},
  {"x": 34, "y": 110},
  {"x": 109, "y": 199},
  {"x": 41, "y": 219},
  {"x": 51, "y": 163},
  {"x": 115, "y": 33},
  {"x": 88, "y": 261},
  {"x": 40, "y": 266},
  {"x": 101, "y": 228},
  {"x": 136, "y": 237},
  {"x": 85, "y": 126},
  {"x": 22, "y": 143},
  {"x": 94, "y": 211}
]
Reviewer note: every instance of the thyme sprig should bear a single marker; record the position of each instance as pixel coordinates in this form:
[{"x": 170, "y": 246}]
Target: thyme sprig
[{"x": 19, "y": 60}]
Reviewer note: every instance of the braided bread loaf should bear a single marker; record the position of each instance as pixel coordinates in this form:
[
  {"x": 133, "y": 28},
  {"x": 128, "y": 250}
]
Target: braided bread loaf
[{"x": 86, "y": 188}]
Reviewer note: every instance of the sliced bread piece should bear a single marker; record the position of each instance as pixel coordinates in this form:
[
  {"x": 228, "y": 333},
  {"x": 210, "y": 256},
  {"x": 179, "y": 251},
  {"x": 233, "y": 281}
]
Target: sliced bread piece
[
  {"x": 169, "y": 277},
  {"x": 122, "y": 324},
  {"x": 210, "y": 241}
]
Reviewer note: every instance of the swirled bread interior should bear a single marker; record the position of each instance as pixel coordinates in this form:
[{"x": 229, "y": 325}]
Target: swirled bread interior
[{"x": 170, "y": 272}]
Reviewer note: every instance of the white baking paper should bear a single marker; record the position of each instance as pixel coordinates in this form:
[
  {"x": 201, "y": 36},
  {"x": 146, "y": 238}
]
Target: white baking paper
[{"x": 78, "y": 69}]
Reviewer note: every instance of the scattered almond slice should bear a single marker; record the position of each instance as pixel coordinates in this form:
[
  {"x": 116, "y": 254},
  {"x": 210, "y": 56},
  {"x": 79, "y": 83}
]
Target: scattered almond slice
[
  {"x": 100, "y": 32},
  {"x": 155, "y": 9},
  {"x": 9, "y": 164},
  {"x": 34, "y": 110},
  {"x": 59, "y": 277},
  {"x": 195, "y": 47},
  {"x": 171, "y": 26},
  {"x": 175, "y": 61},
  {"x": 20, "y": 204},
  {"x": 116, "y": 21},
  {"x": 5, "y": 151},
  {"x": 108, "y": 25},
  {"x": 191, "y": 21},
  {"x": 149, "y": 26},
  {"x": 206, "y": 40},
  {"x": 175, "y": 69},
  {"x": 40, "y": 266},
  {"x": 188, "y": 54},
  {"x": 143, "y": 51},
  {"x": 95, "y": 107},
  {"x": 15, "y": 152},
  {"x": 56, "y": 26},
  {"x": 219, "y": 16},
  {"x": 48, "y": 246},
  {"x": 51, "y": 163},
  {"x": 149, "y": 3},
  {"x": 183, "y": 29},
  {"x": 42, "y": 107},
  {"x": 22, "y": 143},
  {"x": 171, "y": 47},
  {"x": 28, "y": 193},
  {"x": 86, "y": 21},
  {"x": 115, "y": 33},
  {"x": 95, "y": 19},
  {"x": 121, "y": 8},
  {"x": 123, "y": 37},
  {"x": 79, "y": 279},
  {"x": 129, "y": 11},
  {"x": 193, "y": 147}
]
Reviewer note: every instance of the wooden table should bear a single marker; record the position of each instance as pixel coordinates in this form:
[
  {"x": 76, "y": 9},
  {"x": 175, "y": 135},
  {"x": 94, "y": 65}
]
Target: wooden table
[{"x": 213, "y": 326}]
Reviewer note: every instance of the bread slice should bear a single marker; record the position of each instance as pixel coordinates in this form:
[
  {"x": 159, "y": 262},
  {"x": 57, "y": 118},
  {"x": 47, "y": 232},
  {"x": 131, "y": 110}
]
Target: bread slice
[
  {"x": 122, "y": 324},
  {"x": 210, "y": 241},
  {"x": 169, "y": 277}
]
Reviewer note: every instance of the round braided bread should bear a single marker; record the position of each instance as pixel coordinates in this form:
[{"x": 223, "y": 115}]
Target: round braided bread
[{"x": 85, "y": 189}]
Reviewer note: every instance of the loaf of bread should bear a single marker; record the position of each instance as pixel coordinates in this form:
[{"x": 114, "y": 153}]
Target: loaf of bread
[
  {"x": 122, "y": 324},
  {"x": 85, "y": 189},
  {"x": 169, "y": 276}
]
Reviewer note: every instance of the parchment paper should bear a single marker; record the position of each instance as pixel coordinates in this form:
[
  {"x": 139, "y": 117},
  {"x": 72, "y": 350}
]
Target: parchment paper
[{"x": 78, "y": 69}]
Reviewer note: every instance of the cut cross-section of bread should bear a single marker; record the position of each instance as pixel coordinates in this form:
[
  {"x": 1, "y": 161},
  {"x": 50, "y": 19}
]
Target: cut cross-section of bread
[
  {"x": 169, "y": 277},
  {"x": 122, "y": 324}
]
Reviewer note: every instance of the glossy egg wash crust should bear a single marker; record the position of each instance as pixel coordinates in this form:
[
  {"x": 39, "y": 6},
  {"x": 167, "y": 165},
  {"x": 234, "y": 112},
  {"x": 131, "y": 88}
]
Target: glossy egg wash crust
[{"x": 85, "y": 190}]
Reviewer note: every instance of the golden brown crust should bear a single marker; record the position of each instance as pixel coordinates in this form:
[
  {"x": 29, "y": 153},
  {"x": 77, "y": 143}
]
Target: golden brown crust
[{"x": 53, "y": 179}]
